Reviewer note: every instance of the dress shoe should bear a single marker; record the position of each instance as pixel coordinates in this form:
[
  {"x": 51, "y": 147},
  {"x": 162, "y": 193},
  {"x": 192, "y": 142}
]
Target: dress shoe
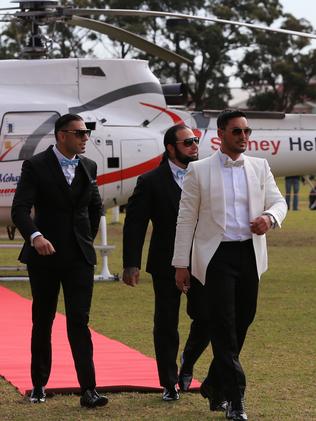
[
  {"x": 170, "y": 394},
  {"x": 185, "y": 381},
  {"x": 38, "y": 395},
  {"x": 217, "y": 402},
  {"x": 236, "y": 411},
  {"x": 185, "y": 377},
  {"x": 91, "y": 399},
  {"x": 219, "y": 405}
]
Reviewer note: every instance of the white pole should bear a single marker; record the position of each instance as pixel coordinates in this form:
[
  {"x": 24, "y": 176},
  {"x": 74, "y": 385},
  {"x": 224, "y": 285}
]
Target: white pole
[
  {"x": 104, "y": 249},
  {"x": 115, "y": 214},
  {"x": 105, "y": 274}
]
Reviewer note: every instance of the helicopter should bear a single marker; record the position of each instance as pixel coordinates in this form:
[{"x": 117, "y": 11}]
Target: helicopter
[{"x": 122, "y": 102}]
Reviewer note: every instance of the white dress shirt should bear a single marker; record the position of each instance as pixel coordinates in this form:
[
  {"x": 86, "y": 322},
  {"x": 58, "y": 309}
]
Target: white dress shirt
[
  {"x": 178, "y": 173},
  {"x": 237, "y": 201},
  {"x": 68, "y": 170}
]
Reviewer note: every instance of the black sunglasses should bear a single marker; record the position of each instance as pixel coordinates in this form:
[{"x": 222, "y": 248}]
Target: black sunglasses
[
  {"x": 189, "y": 142},
  {"x": 79, "y": 133},
  {"x": 237, "y": 131}
]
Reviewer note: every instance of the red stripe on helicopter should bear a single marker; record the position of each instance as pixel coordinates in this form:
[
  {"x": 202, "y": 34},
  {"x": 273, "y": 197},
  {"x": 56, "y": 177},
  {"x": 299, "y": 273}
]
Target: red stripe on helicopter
[
  {"x": 7, "y": 191},
  {"x": 175, "y": 118},
  {"x": 9, "y": 150},
  {"x": 130, "y": 172}
]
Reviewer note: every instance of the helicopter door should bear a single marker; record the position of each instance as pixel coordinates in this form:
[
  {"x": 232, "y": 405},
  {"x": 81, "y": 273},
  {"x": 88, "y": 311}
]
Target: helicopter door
[{"x": 135, "y": 155}]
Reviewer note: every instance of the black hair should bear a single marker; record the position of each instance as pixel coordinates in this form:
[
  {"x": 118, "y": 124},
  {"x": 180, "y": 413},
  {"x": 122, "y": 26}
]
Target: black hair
[
  {"x": 170, "y": 137},
  {"x": 164, "y": 158},
  {"x": 226, "y": 115},
  {"x": 64, "y": 120}
]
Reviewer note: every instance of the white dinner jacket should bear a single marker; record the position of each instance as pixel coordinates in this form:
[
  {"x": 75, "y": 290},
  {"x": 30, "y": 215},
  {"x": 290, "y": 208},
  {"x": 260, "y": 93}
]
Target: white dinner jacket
[{"x": 201, "y": 217}]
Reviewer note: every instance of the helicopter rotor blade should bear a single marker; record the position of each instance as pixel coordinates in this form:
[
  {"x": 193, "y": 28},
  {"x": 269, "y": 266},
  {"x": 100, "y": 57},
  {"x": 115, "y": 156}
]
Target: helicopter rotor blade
[
  {"x": 127, "y": 12},
  {"x": 64, "y": 12},
  {"x": 129, "y": 37}
]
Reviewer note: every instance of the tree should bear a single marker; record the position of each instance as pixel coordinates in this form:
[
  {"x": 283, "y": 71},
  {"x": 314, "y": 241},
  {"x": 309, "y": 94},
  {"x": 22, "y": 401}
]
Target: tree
[
  {"x": 278, "y": 69},
  {"x": 12, "y": 38},
  {"x": 209, "y": 46}
]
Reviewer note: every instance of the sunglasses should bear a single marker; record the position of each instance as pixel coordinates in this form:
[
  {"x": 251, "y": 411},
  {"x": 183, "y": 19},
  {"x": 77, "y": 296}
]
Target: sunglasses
[
  {"x": 189, "y": 142},
  {"x": 79, "y": 133},
  {"x": 237, "y": 131}
]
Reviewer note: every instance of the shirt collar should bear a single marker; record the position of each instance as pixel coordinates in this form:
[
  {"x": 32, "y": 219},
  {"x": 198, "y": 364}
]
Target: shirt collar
[
  {"x": 59, "y": 155},
  {"x": 174, "y": 168},
  {"x": 223, "y": 157}
]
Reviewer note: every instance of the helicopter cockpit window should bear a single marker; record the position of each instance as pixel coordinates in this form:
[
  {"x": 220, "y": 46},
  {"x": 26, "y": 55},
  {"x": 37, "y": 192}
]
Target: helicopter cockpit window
[
  {"x": 92, "y": 71},
  {"x": 24, "y": 134}
]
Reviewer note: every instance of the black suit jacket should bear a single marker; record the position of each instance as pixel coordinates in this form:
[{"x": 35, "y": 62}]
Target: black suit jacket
[
  {"x": 155, "y": 198},
  {"x": 67, "y": 216}
]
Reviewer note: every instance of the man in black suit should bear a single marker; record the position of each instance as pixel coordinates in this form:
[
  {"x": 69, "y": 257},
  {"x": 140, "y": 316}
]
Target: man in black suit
[
  {"x": 58, "y": 249},
  {"x": 156, "y": 197}
]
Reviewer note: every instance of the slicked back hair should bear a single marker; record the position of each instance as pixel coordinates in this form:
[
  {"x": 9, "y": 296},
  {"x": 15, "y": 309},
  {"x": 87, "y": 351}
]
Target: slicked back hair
[
  {"x": 170, "y": 137},
  {"x": 226, "y": 115},
  {"x": 63, "y": 121}
]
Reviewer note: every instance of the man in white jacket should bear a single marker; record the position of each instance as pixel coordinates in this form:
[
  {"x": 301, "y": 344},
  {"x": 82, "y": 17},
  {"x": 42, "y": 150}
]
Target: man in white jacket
[{"x": 229, "y": 201}]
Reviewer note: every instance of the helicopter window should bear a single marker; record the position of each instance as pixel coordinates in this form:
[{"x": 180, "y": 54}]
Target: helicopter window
[
  {"x": 113, "y": 162},
  {"x": 90, "y": 125},
  {"x": 24, "y": 134},
  {"x": 92, "y": 71}
]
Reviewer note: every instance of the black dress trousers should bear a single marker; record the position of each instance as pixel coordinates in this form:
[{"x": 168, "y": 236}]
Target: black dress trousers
[
  {"x": 47, "y": 274},
  {"x": 228, "y": 300}
]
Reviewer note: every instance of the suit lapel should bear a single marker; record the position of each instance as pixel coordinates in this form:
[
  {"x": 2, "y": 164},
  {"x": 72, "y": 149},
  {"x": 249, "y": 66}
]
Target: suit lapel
[
  {"x": 253, "y": 184},
  {"x": 218, "y": 205},
  {"x": 85, "y": 169},
  {"x": 85, "y": 178},
  {"x": 170, "y": 186}
]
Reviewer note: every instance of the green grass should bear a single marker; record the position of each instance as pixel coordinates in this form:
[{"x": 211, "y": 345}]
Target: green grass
[{"x": 278, "y": 356}]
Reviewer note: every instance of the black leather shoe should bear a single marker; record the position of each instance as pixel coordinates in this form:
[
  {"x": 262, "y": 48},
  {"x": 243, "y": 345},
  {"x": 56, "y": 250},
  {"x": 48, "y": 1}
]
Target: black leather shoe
[
  {"x": 170, "y": 394},
  {"x": 38, "y": 395},
  {"x": 217, "y": 402},
  {"x": 185, "y": 376},
  {"x": 91, "y": 399},
  {"x": 219, "y": 405},
  {"x": 184, "y": 381},
  {"x": 236, "y": 411}
]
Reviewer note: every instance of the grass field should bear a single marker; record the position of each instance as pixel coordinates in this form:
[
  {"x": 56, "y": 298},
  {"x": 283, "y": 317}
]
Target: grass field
[{"x": 279, "y": 354}]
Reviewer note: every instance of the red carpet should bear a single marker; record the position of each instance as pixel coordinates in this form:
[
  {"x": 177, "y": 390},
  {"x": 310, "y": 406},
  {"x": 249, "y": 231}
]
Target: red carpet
[{"x": 118, "y": 367}]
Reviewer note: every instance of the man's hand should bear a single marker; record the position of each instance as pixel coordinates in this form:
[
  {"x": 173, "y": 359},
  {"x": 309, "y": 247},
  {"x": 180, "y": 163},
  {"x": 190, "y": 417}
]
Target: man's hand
[
  {"x": 131, "y": 276},
  {"x": 43, "y": 246},
  {"x": 260, "y": 225},
  {"x": 183, "y": 279}
]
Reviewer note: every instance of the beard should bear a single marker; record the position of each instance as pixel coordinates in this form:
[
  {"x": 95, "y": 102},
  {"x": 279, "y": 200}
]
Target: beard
[{"x": 184, "y": 159}]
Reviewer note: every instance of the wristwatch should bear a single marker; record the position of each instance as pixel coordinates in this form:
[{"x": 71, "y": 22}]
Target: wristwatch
[{"x": 272, "y": 220}]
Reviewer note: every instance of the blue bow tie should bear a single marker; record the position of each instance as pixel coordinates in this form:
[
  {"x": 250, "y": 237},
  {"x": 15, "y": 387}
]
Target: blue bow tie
[
  {"x": 181, "y": 173},
  {"x": 65, "y": 162},
  {"x": 230, "y": 163}
]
